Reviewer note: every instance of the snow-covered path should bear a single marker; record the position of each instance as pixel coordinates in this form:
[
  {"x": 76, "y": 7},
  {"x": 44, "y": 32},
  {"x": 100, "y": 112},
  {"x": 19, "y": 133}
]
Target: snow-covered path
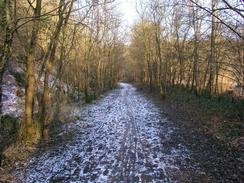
[{"x": 120, "y": 138}]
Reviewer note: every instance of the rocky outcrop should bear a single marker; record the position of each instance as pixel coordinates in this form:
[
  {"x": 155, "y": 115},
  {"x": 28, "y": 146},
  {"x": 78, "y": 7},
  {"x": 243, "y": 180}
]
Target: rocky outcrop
[{"x": 13, "y": 91}]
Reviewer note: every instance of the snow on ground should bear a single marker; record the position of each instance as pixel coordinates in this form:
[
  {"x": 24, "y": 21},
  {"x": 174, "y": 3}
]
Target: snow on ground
[
  {"x": 118, "y": 139},
  {"x": 12, "y": 104}
]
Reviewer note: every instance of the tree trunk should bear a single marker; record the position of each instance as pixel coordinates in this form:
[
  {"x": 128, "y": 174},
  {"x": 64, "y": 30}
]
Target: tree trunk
[
  {"x": 196, "y": 26},
  {"x": 30, "y": 61},
  {"x": 49, "y": 58},
  {"x": 212, "y": 55},
  {"x": 7, "y": 47}
]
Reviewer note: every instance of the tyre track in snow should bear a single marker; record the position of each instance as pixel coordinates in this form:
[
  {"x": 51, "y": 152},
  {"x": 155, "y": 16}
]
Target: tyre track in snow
[{"x": 128, "y": 150}]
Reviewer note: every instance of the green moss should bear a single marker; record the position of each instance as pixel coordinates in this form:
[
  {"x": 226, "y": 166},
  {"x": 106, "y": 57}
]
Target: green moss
[
  {"x": 89, "y": 98},
  {"x": 20, "y": 78},
  {"x": 2, "y": 22},
  {"x": 9, "y": 124},
  {"x": 1, "y": 3},
  {"x": 163, "y": 94}
]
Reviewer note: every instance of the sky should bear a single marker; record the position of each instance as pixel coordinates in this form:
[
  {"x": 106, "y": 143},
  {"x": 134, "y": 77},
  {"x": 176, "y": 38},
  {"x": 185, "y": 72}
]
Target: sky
[{"x": 127, "y": 8}]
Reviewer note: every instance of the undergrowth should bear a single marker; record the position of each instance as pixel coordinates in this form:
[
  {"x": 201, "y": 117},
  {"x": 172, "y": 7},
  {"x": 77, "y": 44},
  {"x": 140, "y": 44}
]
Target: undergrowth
[
  {"x": 223, "y": 105},
  {"x": 222, "y": 115}
]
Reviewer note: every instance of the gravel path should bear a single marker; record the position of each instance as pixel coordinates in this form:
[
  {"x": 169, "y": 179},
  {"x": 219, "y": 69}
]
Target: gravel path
[{"x": 120, "y": 138}]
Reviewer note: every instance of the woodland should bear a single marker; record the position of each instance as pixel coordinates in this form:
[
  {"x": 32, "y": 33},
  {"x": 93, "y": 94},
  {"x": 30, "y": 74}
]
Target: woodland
[{"x": 59, "y": 53}]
